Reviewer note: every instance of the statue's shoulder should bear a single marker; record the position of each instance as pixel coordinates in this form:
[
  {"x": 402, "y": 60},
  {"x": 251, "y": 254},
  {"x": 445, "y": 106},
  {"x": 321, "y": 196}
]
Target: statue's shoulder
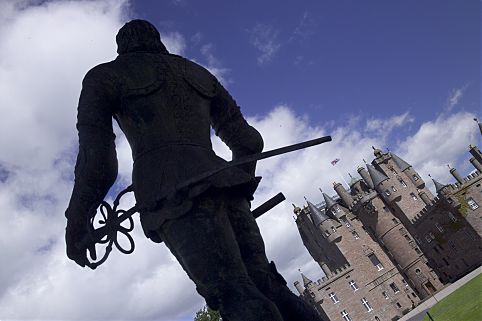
[
  {"x": 101, "y": 73},
  {"x": 195, "y": 75}
]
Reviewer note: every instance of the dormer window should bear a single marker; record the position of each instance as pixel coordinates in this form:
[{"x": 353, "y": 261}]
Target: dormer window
[
  {"x": 394, "y": 189},
  {"x": 414, "y": 197},
  {"x": 387, "y": 192},
  {"x": 415, "y": 177},
  {"x": 402, "y": 182}
]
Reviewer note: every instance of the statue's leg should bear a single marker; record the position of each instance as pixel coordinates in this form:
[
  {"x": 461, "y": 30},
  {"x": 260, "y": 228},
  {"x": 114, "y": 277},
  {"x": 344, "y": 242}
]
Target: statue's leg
[
  {"x": 263, "y": 273},
  {"x": 204, "y": 244}
]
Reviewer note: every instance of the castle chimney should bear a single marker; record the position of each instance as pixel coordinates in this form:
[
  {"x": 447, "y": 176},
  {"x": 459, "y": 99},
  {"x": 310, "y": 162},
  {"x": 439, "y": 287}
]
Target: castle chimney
[
  {"x": 476, "y": 164},
  {"x": 456, "y": 175},
  {"x": 425, "y": 197},
  {"x": 476, "y": 153},
  {"x": 366, "y": 177},
  {"x": 299, "y": 288},
  {"x": 340, "y": 190}
]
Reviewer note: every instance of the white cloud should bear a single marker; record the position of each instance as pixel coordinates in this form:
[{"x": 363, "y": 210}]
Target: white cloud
[
  {"x": 265, "y": 39},
  {"x": 174, "y": 42},
  {"x": 454, "y": 97},
  {"x": 383, "y": 127},
  {"x": 214, "y": 65},
  {"x": 437, "y": 143}
]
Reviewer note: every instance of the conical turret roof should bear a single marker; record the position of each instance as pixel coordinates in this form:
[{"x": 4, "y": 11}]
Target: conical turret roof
[
  {"x": 377, "y": 176},
  {"x": 403, "y": 165},
  {"x": 316, "y": 215},
  {"x": 306, "y": 281},
  {"x": 329, "y": 201},
  {"x": 438, "y": 186}
]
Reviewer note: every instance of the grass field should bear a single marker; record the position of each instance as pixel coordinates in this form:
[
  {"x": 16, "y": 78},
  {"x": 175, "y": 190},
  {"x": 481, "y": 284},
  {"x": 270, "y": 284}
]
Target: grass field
[{"x": 465, "y": 304}]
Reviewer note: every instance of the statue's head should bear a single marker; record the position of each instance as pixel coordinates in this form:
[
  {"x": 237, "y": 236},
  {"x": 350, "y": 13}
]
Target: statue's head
[{"x": 139, "y": 35}]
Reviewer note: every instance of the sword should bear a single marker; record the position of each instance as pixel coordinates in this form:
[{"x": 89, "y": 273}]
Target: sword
[{"x": 112, "y": 218}]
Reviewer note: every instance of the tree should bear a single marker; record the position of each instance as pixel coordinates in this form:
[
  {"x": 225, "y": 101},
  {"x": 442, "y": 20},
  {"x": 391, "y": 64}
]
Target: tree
[{"x": 206, "y": 314}]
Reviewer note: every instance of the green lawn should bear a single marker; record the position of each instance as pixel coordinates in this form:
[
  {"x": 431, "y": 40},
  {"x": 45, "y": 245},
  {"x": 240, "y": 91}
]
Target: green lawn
[{"x": 465, "y": 304}]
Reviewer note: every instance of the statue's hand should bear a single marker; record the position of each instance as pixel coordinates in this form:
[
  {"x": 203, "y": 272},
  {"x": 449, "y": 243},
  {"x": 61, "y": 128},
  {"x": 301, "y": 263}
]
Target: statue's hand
[{"x": 75, "y": 231}]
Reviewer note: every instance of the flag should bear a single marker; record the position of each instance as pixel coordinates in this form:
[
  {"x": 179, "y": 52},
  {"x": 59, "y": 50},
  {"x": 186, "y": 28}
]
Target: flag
[{"x": 336, "y": 160}]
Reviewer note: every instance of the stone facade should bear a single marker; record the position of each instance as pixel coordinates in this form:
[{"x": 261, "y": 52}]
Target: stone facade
[{"x": 388, "y": 242}]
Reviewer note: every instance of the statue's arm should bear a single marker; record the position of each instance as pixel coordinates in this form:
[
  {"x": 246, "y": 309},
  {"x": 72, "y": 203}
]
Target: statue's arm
[
  {"x": 96, "y": 167},
  {"x": 230, "y": 125}
]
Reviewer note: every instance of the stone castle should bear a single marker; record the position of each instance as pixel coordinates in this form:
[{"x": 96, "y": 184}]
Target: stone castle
[{"x": 387, "y": 243}]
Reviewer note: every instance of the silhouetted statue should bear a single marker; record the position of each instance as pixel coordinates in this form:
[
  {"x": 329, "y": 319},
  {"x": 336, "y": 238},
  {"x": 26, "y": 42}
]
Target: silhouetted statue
[{"x": 166, "y": 106}]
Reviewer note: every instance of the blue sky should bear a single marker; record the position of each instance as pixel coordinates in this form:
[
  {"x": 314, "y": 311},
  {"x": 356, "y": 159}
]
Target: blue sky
[
  {"x": 336, "y": 59},
  {"x": 398, "y": 74}
]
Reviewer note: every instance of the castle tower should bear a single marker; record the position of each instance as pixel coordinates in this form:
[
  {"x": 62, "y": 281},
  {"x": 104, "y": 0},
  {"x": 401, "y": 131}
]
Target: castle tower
[
  {"x": 368, "y": 282},
  {"x": 343, "y": 194},
  {"x": 456, "y": 175},
  {"x": 375, "y": 214},
  {"x": 408, "y": 170},
  {"x": 400, "y": 185},
  {"x": 366, "y": 177},
  {"x": 476, "y": 164},
  {"x": 333, "y": 208},
  {"x": 476, "y": 153}
]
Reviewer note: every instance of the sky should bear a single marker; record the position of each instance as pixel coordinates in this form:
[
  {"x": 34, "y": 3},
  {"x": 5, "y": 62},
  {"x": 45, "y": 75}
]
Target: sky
[{"x": 402, "y": 75}]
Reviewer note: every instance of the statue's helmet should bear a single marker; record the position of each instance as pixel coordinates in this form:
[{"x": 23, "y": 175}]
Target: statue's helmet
[{"x": 139, "y": 36}]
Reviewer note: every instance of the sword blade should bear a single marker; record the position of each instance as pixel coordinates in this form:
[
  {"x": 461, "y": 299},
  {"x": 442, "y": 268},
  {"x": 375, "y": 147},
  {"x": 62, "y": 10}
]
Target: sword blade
[{"x": 253, "y": 158}]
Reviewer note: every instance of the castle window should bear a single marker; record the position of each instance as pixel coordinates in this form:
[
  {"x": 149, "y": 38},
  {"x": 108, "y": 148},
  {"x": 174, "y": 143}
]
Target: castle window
[
  {"x": 414, "y": 197},
  {"x": 452, "y": 217},
  {"x": 355, "y": 235},
  {"x": 404, "y": 282},
  {"x": 387, "y": 192},
  {"x": 333, "y": 297},
  {"x": 333, "y": 229},
  {"x": 347, "y": 224},
  {"x": 415, "y": 177},
  {"x": 345, "y": 315},
  {"x": 407, "y": 237},
  {"x": 377, "y": 318},
  {"x": 394, "y": 287},
  {"x": 428, "y": 238},
  {"x": 394, "y": 189},
  {"x": 417, "y": 271},
  {"x": 353, "y": 285},
  {"x": 439, "y": 227},
  {"x": 365, "y": 303},
  {"x": 376, "y": 262},
  {"x": 418, "y": 250},
  {"x": 402, "y": 182},
  {"x": 470, "y": 235},
  {"x": 473, "y": 205},
  {"x": 385, "y": 295},
  {"x": 398, "y": 305},
  {"x": 452, "y": 245}
]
